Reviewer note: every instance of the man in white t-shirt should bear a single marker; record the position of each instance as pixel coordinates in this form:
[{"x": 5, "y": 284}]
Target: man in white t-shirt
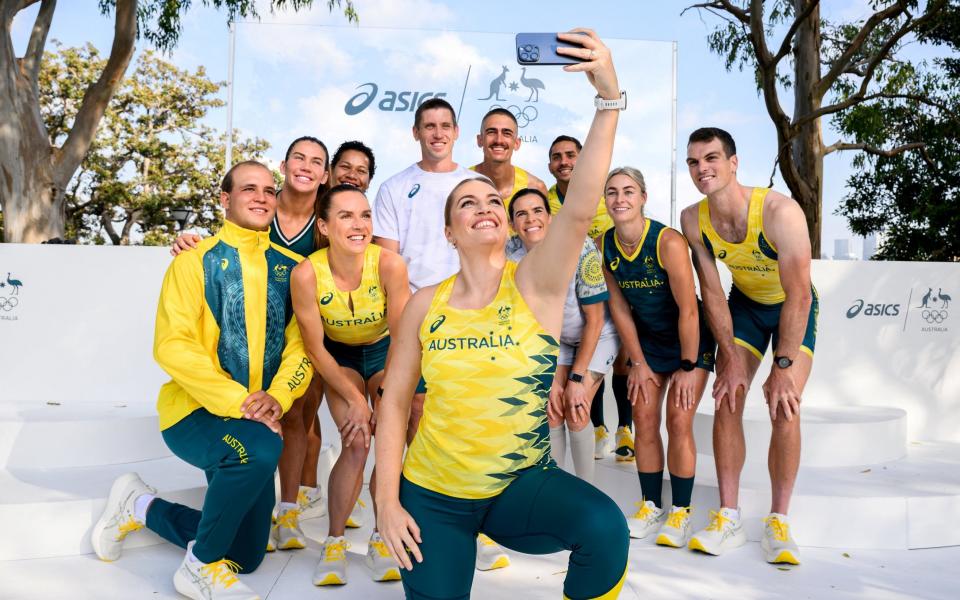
[{"x": 408, "y": 219}]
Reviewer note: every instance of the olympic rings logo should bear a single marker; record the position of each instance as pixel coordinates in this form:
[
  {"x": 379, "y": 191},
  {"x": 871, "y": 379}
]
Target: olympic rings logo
[
  {"x": 528, "y": 114},
  {"x": 934, "y": 316},
  {"x": 8, "y": 303}
]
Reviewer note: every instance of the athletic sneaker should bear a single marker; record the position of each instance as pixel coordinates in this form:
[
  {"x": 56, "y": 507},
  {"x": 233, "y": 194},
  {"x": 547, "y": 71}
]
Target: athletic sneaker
[
  {"x": 624, "y": 449},
  {"x": 332, "y": 567},
  {"x": 490, "y": 555},
  {"x": 287, "y": 534},
  {"x": 601, "y": 439},
  {"x": 312, "y": 503},
  {"x": 675, "y": 531},
  {"x": 214, "y": 581},
  {"x": 646, "y": 520},
  {"x": 381, "y": 564},
  {"x": 777, "y": 545},
  {"x": 355, "y": 520},
  {"x": 118, "y": 518},
  {"x": 272, "y": 538},
  {"x": 725, "y": 532}
]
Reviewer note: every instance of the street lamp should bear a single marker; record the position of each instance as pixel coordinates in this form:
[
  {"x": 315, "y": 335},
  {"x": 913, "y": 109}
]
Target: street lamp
[{"x": 182, "y": 216}]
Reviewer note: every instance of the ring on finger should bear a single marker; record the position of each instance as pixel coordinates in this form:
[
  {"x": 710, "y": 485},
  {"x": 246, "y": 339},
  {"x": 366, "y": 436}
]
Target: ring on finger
[{"x": 593, "y": 54}]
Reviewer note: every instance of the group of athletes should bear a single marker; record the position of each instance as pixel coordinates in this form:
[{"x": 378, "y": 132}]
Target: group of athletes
[{"x": 468, "y": 318}]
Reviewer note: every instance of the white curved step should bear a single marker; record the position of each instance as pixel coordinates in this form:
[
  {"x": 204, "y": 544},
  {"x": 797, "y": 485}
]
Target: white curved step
[
  {"x": 831, "y": 437},
  {"x": 913, "y": 502},
  {"x": 34, "y": 435}
]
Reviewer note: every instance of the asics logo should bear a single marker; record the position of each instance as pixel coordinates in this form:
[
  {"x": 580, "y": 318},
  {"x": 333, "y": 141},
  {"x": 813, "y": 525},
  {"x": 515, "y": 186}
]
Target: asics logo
[
  {"x": 436, "y": 324},
  {"x": 414, "y": 190},
  {"x": 722, "y": 255},
  {"x": 224, "y": 263},
  {"x": 614, "y": 264},
  {"x": 326, "y": 298}
]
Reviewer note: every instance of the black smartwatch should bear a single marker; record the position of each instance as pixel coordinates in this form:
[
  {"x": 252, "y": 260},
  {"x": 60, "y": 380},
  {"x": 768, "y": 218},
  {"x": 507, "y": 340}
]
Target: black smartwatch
[
  {"x": 782, "y": 361},
  {"x": 575, "y": 377},
  {"x": 687, "y": 365}
]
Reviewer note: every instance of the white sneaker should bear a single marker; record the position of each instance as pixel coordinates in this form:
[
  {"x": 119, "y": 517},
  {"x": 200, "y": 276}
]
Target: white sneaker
[
  {"x": 332, "y": 566},
  {"x": 381, "y": 564},
  {"x": 355, "y": 520},
  {"x": 272, "y": 539},
  {"x": 675, "y": 531},
  {"x": 777, "y": 544},
  {"x": 601, "y": 442},
  {"x": 624, "y": 449},
  {"x": 118, "y": 517},
  {"x": 490, "y": 555},
  {"x": 646, "y": 520},
  {"x": 287, "y": 534},
  {"x": 214, "y": 581},
  {"x": 725, "y": 532},
  {"x": 312, "y": 503}
]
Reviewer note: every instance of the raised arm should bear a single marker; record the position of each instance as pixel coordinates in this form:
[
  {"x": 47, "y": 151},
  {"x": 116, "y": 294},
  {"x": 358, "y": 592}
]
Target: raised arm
[
  {"x": 544, "y": 274},
  {"x": 676, "y": 260}
]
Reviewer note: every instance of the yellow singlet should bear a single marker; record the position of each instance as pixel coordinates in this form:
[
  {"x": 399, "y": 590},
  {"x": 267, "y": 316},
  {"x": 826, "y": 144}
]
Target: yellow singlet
[
  {"x": 521, "y": 180},
  {"x": 601, "y": 220},
  {"x": 488, "y": 374},
  {"x": 357, "y": 316},
  {"x": 752, "y": 262}
]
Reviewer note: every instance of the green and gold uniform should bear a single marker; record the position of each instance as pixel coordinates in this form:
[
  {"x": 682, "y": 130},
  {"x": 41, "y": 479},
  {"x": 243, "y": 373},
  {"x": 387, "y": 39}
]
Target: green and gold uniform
[
  {"x": 225, "y": 328},
  {"x": 645, "y": 284},
  {"x": 302, "y": 243},
  {"x": 481, "y": 457},
  {"x": 355, "y": 328},
  {"x": 521, "y": 180},
  {"x": 601, "y": 220},
  {"x": 757, "y": 296}
]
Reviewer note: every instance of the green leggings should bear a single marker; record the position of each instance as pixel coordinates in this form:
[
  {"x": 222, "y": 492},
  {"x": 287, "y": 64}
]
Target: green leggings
[
  {"x": 543, "y": 510},
  {"x": 238, "y": 457}
]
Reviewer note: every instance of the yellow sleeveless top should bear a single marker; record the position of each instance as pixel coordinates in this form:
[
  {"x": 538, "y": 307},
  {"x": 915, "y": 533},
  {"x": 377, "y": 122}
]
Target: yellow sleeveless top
[
  {"x": 752, "y": 262},
  {"x": 521, "y": 179},
  {"x": 601, "y": 220},
  {"x": 357, "y": 316},
  {"x": 488, "y": 374}
]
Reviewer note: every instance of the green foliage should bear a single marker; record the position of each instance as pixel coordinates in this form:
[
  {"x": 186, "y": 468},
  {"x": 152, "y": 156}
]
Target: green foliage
[
  {"x": 160, "y": 21},
  {"x": 152, "y": 154}
]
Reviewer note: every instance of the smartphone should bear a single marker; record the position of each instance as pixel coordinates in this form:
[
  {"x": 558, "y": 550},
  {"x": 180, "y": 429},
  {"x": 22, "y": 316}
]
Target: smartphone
[{"x": 541, "y": 49}]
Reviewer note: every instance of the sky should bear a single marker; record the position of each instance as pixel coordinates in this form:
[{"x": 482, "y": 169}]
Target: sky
[{"x": 301, "y": 55}]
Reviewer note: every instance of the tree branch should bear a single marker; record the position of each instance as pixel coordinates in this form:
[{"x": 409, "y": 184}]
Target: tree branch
[
  {"x": 30, "y": 65},
  {"x": 98, "y": 95},
  {"x": 786, "y": 44},
  {"x": 740, "y": 14},
  {"x": 840, "y": 146}
]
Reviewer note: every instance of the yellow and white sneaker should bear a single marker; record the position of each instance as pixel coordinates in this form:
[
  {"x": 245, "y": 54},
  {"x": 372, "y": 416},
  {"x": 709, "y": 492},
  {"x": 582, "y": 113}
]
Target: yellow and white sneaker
[
  {"x": 601, "y": 438},
  {"x": 118, "y": 518},
  {"x": 646, "y": 520},
  {"x": 214, "y": 581},
  {"x": 312, "y": 503},
  {"x": 332, "y": 567},
  {"x": 725, "y": 532},
  {"x": 624, "y": 449},
  {"x": 381, "y": 564},
  {"x": 675, "y": 531},
  {"x": 287, "y": 534},
  {"x": 355, "y": 520},
  {"x": 777, "y": 545},
  {"x": 490, "y": 555},
  {"x": 272, "y": 539}
]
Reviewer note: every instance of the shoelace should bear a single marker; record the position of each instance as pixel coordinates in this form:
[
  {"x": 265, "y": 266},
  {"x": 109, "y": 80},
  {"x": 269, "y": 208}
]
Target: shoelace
[
  {"x": 335, "y": 551},
  {"x": 380, "y": 547},
  {"x": 289, "y": 519},
  {"x": 485, "y": 540},
  {"x": 302, "y": 499},
  {"x": 599, "y": 433},
  {"x": 717, "y": 521},
  {"x": 223, "y": 572},
  {"x": 361, "y": 503},
  {"x": 129, "y": 527},
  {"x": 781, "y": 530},
  {"x": 645, "y": 511},
  {"x": 677, "y": 518}
]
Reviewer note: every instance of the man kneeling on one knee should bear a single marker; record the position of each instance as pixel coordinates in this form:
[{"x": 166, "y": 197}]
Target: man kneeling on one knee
[{"x": 226, "y": 334}]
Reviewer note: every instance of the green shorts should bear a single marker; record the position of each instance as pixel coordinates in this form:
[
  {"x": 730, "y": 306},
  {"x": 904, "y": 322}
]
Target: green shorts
[
  {"x": 543, "y": 510},
  {"x": 754, "y": 324},
  {"x": 366, "y": 359}
]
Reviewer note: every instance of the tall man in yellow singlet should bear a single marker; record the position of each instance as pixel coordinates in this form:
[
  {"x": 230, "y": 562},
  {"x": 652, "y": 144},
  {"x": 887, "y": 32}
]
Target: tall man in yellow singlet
[
  {"x": 761, "y": 236},
  {"x": 499, "y": 138}
]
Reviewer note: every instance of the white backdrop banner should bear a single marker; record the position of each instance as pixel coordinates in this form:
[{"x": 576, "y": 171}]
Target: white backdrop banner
[
  {"x": 76, "y": 326},
  {"x": 365, "y": 84}
]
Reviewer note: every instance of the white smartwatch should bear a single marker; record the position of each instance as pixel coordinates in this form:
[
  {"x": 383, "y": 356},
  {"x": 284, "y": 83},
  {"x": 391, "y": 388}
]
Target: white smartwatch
[{"x": 618, "y": 104}]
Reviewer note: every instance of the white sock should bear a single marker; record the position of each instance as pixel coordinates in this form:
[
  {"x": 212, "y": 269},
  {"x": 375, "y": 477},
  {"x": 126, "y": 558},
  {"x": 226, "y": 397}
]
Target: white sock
[
  {"x": 581, "y": 447},
  {"x": 558, "y": 444},
  {"x": 285, "y": 506},
  {"x": 191, "y": 557},
  {"x": 140, "y": 506},
  {"x": 780, "y": 517}
]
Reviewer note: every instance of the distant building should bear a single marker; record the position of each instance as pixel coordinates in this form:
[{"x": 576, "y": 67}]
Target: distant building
[
  {"x": 870, "y": 244},
  {"x": 842, "y": 250}
]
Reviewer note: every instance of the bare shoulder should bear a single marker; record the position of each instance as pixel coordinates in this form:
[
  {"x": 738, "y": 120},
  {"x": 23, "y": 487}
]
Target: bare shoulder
[
  {"x": 536, "y": 183},
  {"x": 419, "y": 303},
  {"x": 303, "y": 272},
  {"x": 391, "y": 261},
  {"x": 689, "y": 219},
  {"x": 780, "y": 210}
]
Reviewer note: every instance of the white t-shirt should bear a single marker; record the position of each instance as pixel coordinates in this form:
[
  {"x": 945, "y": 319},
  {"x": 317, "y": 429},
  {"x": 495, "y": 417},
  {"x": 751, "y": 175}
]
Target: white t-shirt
[
  {"x": 586, "y": 287},
  {"x": 409, "y": 209}
]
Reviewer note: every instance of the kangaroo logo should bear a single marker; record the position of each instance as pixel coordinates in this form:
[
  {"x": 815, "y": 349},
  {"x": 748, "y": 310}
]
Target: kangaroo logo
[
  {"x": 326, "y": 298},
  {"x": 757, "y": 255},
  {"x": 496, "y": 84},
  {"x": 504, "y": 313},
  {"x": 436, "y": 324},
  {"x": 414, "y": 190},
  {"x": 372, "y": 291},
  {"x": 281, "y": 273}
]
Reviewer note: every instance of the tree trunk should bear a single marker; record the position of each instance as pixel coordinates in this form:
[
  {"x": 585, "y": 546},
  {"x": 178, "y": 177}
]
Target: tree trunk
[{"x": 807, "y": 145}]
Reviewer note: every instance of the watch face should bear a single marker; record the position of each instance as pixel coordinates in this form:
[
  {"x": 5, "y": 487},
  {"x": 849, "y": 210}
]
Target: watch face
[{"x": 783, "y": 362}]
